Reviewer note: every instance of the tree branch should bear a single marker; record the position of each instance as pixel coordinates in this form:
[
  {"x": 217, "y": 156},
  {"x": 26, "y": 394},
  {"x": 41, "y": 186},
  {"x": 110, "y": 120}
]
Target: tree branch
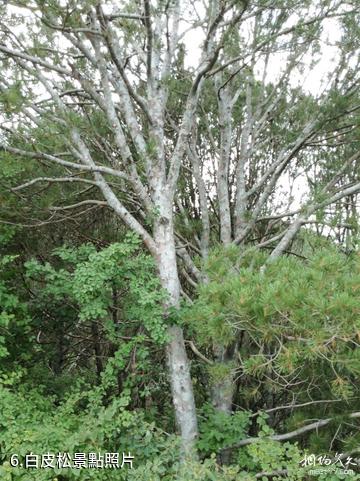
[
  {"x": 51, "y": 180},
  {"x": 292, "y": 434},
  {"x": 65, "y": 163},
  {"x": 79, "y": 204}
]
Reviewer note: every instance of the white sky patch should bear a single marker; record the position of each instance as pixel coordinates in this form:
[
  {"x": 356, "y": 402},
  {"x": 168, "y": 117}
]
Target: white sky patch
[{"x": 193, "y": 40}]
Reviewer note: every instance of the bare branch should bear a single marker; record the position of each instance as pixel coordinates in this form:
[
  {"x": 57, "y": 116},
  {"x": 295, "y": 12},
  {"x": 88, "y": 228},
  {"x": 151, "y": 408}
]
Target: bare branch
[
  {"x": 149, "y": 45},
  {"x": 292, "y": 434},
  {"x": 79, "y": 204},
  {"x": 52, "y": 180},
  {"x": 65, "y": 163},
  {"x": 196, "y": 351},
  {"x": 34, "y": 60}
]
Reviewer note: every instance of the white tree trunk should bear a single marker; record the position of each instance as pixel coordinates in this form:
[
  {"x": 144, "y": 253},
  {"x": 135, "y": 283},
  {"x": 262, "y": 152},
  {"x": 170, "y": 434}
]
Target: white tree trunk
[
  {"x": 178, "y": 363},
  {"x": 224, "y": 103}
]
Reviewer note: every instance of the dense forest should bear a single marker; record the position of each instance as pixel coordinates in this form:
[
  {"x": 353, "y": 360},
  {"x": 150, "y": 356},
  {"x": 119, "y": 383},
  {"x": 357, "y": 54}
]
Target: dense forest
[{"x": 179, "y": 240}]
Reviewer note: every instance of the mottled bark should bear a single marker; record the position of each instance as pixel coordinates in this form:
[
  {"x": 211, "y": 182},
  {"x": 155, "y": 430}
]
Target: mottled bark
[
  {"x": 240, "y": 213},
  {"x": 205, "y": 219},
  {"x": 182, "y": 392},
  {"x": 178, "y": 363},
  {"x": 224, "y": 104}
]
